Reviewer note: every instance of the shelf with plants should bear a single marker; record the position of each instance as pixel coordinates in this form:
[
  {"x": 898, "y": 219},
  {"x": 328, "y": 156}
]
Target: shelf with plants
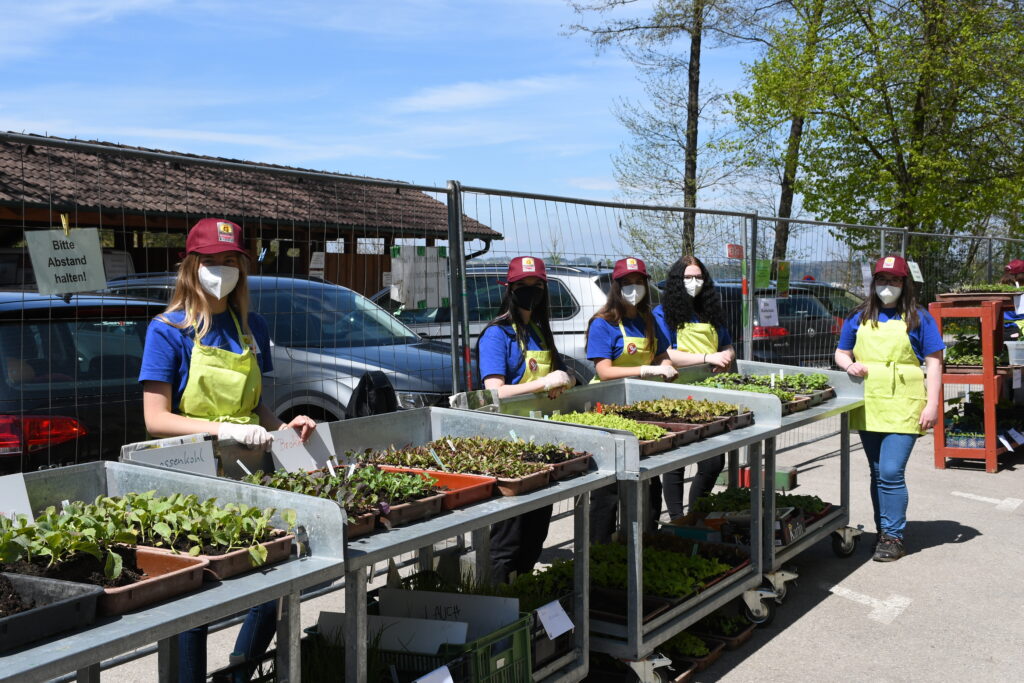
[
  {"x": 975, "y": 360},
  {"x": 796, "y": 391}
]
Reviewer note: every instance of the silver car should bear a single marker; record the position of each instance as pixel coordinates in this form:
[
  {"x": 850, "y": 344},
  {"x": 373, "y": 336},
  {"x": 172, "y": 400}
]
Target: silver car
[
  {"x": 324, "y": 338},
  {"x": 575, "y": 294}
]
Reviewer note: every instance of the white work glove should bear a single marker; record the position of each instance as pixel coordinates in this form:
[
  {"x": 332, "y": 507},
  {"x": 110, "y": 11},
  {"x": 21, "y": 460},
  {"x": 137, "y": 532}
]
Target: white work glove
[
  {"x": 665, "y": 372},
  {"x": 558, "y": 378},
  {"x": 253, "y": 436}
]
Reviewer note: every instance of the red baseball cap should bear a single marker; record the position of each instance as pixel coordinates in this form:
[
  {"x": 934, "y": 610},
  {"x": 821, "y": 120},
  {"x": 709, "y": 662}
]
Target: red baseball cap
[
  {"x": 525, "y": 266},
  {"x": 214, "y": 235},
  {"x": 1015, "y": 267},
  {"x": 896, "y": 265},
  {"x": 626, "y": 266}
]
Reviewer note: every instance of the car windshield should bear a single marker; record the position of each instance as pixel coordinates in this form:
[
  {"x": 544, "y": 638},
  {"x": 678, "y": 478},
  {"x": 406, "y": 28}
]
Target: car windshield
[
  {"x": 327, "y": 317},
  {"x": 800, "y": 305},
  {"x": 839, "y": 302}
]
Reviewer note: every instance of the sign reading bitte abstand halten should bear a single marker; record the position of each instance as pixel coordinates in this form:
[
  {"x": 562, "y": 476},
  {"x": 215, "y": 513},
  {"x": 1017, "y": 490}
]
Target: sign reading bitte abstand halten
[{"x": 65, "y": 263}]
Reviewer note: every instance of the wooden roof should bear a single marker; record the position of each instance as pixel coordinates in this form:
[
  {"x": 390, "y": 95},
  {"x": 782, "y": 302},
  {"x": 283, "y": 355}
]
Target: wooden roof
[{"x": 181, "y": 188}]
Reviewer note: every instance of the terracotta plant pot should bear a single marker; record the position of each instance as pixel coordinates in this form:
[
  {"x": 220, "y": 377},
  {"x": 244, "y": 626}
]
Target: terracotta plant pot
[
  {"x": 796, "y": 405},
  {"x": 717, "y": 426},
  {"x": 659, "y": 445},
  {"x": 167, "y": 575},
  {"x": 360, "y": 525},
  {"x": 531, "y": 482},
  {"x": 462, "y": 489},
  {"x": 58, "y": 606},
  {"x": 238, "y": 561},
  {"x": 740, "y": 421}
]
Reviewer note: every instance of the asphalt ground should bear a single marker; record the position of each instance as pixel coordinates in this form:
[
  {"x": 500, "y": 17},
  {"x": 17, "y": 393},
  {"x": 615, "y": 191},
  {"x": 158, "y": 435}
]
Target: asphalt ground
[{"x": 952, "y": 609}]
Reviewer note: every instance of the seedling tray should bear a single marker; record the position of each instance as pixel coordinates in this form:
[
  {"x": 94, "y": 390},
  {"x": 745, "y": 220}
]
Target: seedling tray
[
  {"x": 59, "y": 606},
  {"x": 521, "y": 485},
  {"x": 167, "y": 575},
  {"x": 796, "y": 405},
  {"x": 360, "y": 525},
  {"x": 237, "y": 562},
  {"x": 414, "y": 510},
  {"x": 571, "y": 468},
  {"x": 731, "y": 642},
  {"x": 610, "y": 605},
  {"x": 685, "y": 432},
  {"x": 818, "y": 397},
  {"x": 715, "y": 648},
  {"x": 659, "y": 445},
  {"x": 681, "y": 672},
  {"x": 740, "y": 421},
  {"x": 462, "y": 489},
  {"x": 717, "y": 426},
  {"x": 811, "y": 519}
]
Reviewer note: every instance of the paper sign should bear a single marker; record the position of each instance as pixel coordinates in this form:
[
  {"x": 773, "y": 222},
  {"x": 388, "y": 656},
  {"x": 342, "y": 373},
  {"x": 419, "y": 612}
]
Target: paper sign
[
  {"x": 189, "y": 457},
  {"x": 1016, "y": 379},
  {"x": 554, "y": 619},
  {"x": 316, "y": 261},
  {"x": 291, "y": 454},
  {"x": 14, "y": 496},
  {"x": 483, "y": 613},
  {"x": 442, "y": 675},
  {"x": 1017, "y": 436},
  {"x": 767, "y": 312},
  {"x": 65, "y": 264},
  {"x": 915, "y": 271},
  {"x": 734, "y": 251},
  {"x": 336, "y": 247}
]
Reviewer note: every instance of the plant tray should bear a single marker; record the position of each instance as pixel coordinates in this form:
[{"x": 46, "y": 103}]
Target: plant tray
[
  {"x": 571, "y": 468},
  {"x": 360, "y": 525},
  {"x": 544, "y": 650},
  {"x": 715, "y": 646},
  {"x": 659, "y": 445},
  {"x": 531, "y": 482},
  {"x": 610, "y": 605},
  {"x": 796, "y": 405},
  {"x": 463, "y": 489},
  {"x": 237, "y": 561},
  {"x": 685, "y": 432},
  {"x": 168, "y": 575},
  {"x": 740, "y": 421},
  {"x": 731, "y": 642},
  {"x": 818, "y": 397},
  {"x": 681, "y": 672},
  {"x": 414, "y": 510},
  {"x": 969, "y": 298},
  {"x": 59, "y": 606},
  {"x": 717, "y": 426},
  {"x": 811, "y": 519}
]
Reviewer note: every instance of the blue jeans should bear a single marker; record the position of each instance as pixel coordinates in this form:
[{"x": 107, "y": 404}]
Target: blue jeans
[
  {"x": 887, "y": 457},
  {"x": 252, "y": 641}
]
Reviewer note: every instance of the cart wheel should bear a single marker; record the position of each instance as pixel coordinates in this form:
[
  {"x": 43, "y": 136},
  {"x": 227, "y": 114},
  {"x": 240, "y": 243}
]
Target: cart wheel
[
  {"x": 780, "y": 593},
  {"x": 842, "y": 549},
  {"x": 765, "y": 618}
]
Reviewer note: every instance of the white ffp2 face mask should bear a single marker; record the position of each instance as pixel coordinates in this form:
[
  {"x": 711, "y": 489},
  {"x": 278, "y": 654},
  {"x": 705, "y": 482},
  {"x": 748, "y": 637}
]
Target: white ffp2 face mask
[
  {"x": 693, "y": 287},
  {"x": 218, "y": 281},
  {"x": 888, "y": 294},
  {"x": 633, "y": 294}
]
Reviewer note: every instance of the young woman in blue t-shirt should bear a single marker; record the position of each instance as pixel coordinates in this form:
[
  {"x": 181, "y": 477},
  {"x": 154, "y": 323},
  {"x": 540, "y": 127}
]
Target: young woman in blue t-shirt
[
  {"x": 202, "y": 371},
  {"x": 693, "y": 320},
  {"x": 885, "y": 340},
  {"x": 1013, "y": 322},
  {"x": 517, "y": 356}
]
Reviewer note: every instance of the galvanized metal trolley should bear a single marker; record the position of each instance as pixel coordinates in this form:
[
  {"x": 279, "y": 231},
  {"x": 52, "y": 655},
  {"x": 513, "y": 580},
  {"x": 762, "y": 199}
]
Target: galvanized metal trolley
[
  {"x": 416, "y": 427},
  {"x": 321, "y": 522}
]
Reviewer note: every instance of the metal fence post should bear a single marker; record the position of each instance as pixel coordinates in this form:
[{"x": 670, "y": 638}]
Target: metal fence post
[
  {"x": 881, "y": 243},
  {"x": 748, "y": 295},
  {"x": 903, "y": 242},
  {"x": 457, "y": 290}
]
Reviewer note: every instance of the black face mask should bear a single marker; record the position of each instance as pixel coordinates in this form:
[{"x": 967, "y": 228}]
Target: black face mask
[{"x": 528, "y": 297}]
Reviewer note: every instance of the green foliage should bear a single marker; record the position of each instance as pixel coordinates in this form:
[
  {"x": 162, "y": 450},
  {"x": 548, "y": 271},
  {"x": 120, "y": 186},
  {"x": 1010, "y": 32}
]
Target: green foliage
[
  {"x": 680, "y": 410},
  {"x": 718, "y": 623},
  {"x": 996, "y": 287},
  {"x": 666, "y": 573},
  {"x": 505, "y": 458},
  {"x": 644, "y": 432},
  {"x": 685, "y": 644},
  {"x": 966, "y": 350},
  {"x": 738, "y": 499}
]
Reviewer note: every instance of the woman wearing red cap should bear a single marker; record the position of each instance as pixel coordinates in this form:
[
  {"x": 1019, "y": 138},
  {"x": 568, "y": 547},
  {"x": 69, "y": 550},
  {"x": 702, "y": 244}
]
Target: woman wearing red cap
[
  {"x": 1013, "y": 322},
  {"x": 202, "y": 372},
  {"x": 624, "y": 340},
  {"x": 517, "y": 356},
  {"x": 885, "y": 340}
]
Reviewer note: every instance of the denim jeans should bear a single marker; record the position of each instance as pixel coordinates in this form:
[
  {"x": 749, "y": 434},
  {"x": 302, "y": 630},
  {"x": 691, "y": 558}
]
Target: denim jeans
[
  {"x": 253, "y": 640},
  {"x": 887, "y": 458}
]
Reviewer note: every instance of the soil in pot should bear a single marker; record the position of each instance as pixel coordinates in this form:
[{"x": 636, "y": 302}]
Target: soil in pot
[
  {"x": 10, "y": 601},
  {"x": 82, "y": 568}
]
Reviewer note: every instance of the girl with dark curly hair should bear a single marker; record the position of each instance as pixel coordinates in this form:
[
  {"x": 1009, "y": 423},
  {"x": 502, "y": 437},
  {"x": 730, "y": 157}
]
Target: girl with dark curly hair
[{"x": 692, "y": 318}]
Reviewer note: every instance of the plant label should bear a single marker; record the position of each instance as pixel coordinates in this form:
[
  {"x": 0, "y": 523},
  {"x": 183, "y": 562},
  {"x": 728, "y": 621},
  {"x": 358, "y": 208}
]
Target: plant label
[
  {"x": 512, "y": 433},
  {"x": 442, "y": 675},
  {"x": 291, "y": 454},
  {"x": 437, "y": 459},
  {"x": 1016, "y": 436},
  {"x": 15, "y": 496},
  {"x": 915, "y": 271},
  {"x": 197, "y": 458},
  {"x": 330, "y": 468},
  {"x": 554, "y": 619},
  {"x": 484, "y": 614}
]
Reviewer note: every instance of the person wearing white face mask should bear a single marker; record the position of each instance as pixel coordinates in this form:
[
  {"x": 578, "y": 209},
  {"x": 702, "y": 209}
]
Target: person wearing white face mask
[
  {"x": 885, "y": 340},
  {"x": 202, "y": 371},
  {"x": 692, "y": 318}
]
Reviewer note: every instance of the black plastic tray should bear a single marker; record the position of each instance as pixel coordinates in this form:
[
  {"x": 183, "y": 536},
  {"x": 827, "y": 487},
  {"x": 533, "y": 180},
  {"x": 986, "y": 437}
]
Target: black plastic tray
[{"x": 60, "y": 606}]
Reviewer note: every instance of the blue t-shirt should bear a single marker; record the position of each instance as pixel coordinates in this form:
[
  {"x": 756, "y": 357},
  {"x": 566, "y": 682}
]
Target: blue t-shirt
[
  {"x": 924, "y": 340},
  {"x": 501, "y": 356},
  {"x": 724, "y": 338},
  {"x": 1010, "y": 319},
  {"x": 168, "y": 351},
  {"x": 604, "y": 340}
]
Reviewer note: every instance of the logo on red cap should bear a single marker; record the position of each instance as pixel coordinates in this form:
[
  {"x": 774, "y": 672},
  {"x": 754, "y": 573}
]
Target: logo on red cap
[
  {"x": 225, "y": 232},
  {"x": 528, "y": 265},
  {"x": 631, "y": 264}
]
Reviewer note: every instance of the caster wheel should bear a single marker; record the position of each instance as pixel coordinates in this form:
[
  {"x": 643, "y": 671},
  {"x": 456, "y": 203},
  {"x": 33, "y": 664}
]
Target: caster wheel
[
  {"x": 780, "y": 592},
  {"x": 765, "y": 618},
  {"x": 842, "y": 549}
]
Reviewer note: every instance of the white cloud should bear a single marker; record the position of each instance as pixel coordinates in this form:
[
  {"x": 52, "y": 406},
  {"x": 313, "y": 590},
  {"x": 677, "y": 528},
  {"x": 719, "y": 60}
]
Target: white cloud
[{"x": 463, "y": 96}]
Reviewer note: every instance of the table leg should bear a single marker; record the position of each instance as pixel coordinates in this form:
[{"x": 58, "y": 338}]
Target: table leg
[
  {"x": 289, "y": 631},
  {"x": 355, "y": 625},
  {"x": 581, "y": 559},
  {"x": 734, "y": 469},
  {"x": 167, "y": 660},
  {"x": 90, "y": 674},
  {"x": 482, "y": 553}
]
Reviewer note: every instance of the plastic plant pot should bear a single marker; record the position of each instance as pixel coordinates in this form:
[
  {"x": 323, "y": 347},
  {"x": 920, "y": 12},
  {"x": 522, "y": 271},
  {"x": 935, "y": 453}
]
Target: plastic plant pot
[
  {"x": 462, "y": 489},
  {"x": 167, "y": 576},
  {"x": 59, "y": 606}
]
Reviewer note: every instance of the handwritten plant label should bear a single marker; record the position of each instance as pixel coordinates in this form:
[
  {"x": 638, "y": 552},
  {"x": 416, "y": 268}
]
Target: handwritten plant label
[
  {"x": 190, "y": 457},
  {"x": 554, "y": 619}
]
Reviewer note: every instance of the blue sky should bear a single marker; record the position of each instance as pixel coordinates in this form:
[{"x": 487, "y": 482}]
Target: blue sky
[{"x": 489, "y": 92}]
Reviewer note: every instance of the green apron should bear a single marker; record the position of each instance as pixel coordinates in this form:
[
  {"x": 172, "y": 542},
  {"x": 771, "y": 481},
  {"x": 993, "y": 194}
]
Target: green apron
[
  {"x": 894, "y": 389},
  {"x": 636, "y": 351},
  {"x": 538, "y": 363},
  {"x": 223, "y": 386},
  {"x": 696, "y": 338}
]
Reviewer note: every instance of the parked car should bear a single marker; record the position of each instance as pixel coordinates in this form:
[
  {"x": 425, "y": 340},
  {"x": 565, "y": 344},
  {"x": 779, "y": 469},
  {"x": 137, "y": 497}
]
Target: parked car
[
  {"x": 325, "y": 338},
  {"x": 839, "y": 301},
  {"x": 575, "y": 294},
  {"x": 69, "y": 389}
]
